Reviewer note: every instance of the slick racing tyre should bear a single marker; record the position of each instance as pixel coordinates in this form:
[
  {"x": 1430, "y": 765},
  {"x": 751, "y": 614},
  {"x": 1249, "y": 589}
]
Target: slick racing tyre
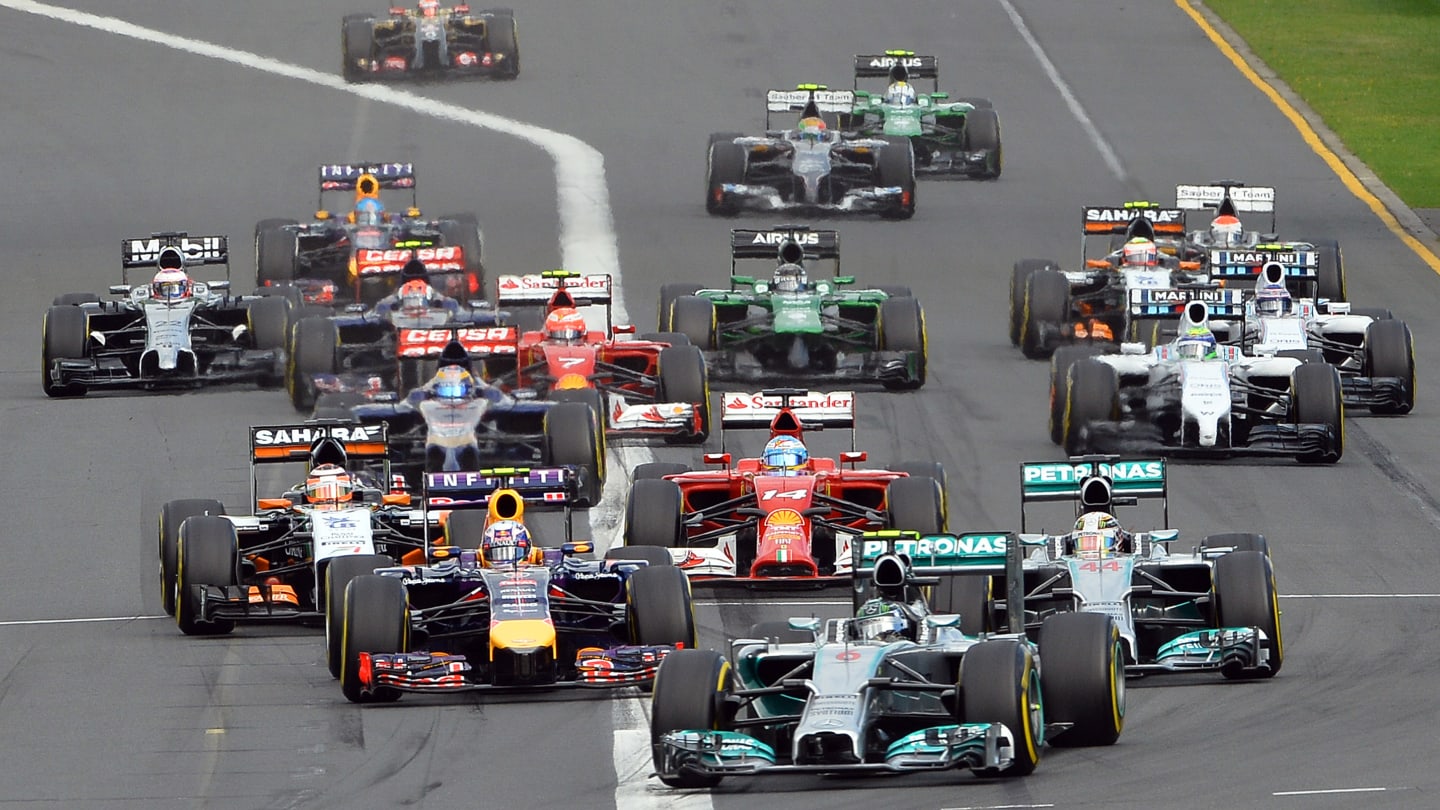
[
  {"x": 650, "y": 555},
  {"x": 376, "y": 619},
  {"x": 968, "y": 596},
  {"x": 1330, "y": 271},
  {"x": 685, "y": 378},
  {"x": 895, "y": 167},
  {"x": 690, "y": 691},
  {"x": 658, "y": 607},
  {"x": 1019, "y": 275},
  {"x": 172, "y": 514},
  {"x": 1316, "y": 398},
  {"x": 338, "y": 574},
  {"x": 313, "y": 342},
  {"x": 724, "y": 165},
  {"x": 658, "y": 469},
  {"x": 1084, "y": 683},
  {"x": 463, "y": 231},
  {"x": 654, "y": 514},
  {"x": 1046, "y": 304},
  {"x": 694, "y": 317},
  {"x": 64, "y": 335},
  {"x": 915, "y": 504},
  {"x": 902, "y": 329},
  {"x": 931, "y": 469},
  {"x": 357, "y": 41},
  {"x": 1245, "y": 596},
  {"x": 668, "y": 294},
  {"x": 504, "y": 37},
  {"x": 982, "y": 134},
  {"x": 1092, "y": 395},
  {"x": 1390, "y": 352},
  {"x": 1236, "y": 541},
  {"x": 208, "y": 554},
  {"x": 573, "y": 435},
  {"x": 781, "y": 632},
  {"x": 1060, "y": 363},
  {"x": 1000, "y": 683},
  {"x": 75, "y": 298},
  {"x": 338, "y": 405},
  {"x": 275, "y": 250}
]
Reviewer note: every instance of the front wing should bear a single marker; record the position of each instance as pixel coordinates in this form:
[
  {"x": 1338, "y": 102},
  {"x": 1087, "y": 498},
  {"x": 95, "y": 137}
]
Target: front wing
[{"x": 443, "y": 672}]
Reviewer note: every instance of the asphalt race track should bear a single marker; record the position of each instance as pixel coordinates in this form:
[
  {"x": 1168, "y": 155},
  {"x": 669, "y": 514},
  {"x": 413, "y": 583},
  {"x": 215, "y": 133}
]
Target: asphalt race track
[{"x": 105, "y": 137}]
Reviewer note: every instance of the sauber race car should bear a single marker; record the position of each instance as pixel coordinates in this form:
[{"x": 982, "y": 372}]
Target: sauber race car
[
  {"x": 430, "y": 40},
  {"x": 812, "y": 167},
  {"x": 896, "y": 689},
  {"x": 272, "y": 565},
  {"x": 1213, "y": 607},
  {"x": 755, "y": 522},
  {"x": 957, "y": 138},
  {"x": 169, "y": 330},
  {"x": 644, "y": 386},
  {"x": 357, "y": 256},
  {"x": 787, "y": 326},
  {"x": 1193, "y": 396},
  {"x": 493, "y": 610},
  {"x": 1234, "y": 253},
  {"x": 1050, "y": 307}
]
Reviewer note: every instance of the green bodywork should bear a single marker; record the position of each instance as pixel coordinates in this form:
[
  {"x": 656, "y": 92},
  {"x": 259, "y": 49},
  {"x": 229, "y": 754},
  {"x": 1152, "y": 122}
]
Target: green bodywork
[
  {"x": 933, "y": 117},
  {"x": 794, "y": 313}
]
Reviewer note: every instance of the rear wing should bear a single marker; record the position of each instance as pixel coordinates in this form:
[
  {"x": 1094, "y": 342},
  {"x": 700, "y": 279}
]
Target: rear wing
[
  {"x": 927, "y": 557},
  {"x": 1170, "y": 303},
  {"x": 747, "y": 243},
  {"x": 478, "y": 341},
  {"x": 369, "y": 179},
  {"x": 1094, "y": 483},
  {"x": 1227, "y": 197},
  {"x": 1300, "y": 263},
  {"x": 1116, "y": 220},
  {"x": 539, "y": 288},
  {"x": 900, "y": 64},
  {"x": 815, "y": 99},
  {"x": 787, "y": 410},
  {"x": 538, "y": 487},
  {"x": 271, "y": 444},
  {"x": 194, "y": 250}
]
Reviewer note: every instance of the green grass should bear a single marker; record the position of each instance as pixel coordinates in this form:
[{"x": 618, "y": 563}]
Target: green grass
[{"x": 1370, "y": 68}]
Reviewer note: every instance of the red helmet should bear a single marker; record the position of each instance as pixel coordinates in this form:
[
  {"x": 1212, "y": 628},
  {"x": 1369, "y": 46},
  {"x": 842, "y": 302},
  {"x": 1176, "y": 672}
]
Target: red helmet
[
  {"x": 1140, "y": 251},
  {"x": 429, "y": 8},
  {"x": 414, "y": 295},
  {"x": 565, "y": 325},
  {"x": 1226, "y": 231},
  {"x": 328, "y": 486}
]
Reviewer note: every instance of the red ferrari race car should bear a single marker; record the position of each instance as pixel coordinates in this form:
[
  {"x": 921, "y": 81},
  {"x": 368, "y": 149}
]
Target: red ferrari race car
[
  {"x": 787, "y": 517},
  {"x": 646, "y": 385}
]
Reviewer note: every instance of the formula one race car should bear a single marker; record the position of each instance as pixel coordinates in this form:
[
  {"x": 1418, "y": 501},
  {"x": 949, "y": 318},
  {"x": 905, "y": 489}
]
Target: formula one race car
[
  {"x": 957, "y": 138},
  {"x": 170, "y": 331},
  {"x": 1195, "y": 397},
  {"x": 357, "y": 257},
  {"x": 644, "y": 386},
  {"x": 1233, "y": 252},
  {"x": 1212, "y": 608},
  {"x": 508, "y": 613},
  {"x": 812, "y": 167},
  {"x": 1135, "y": 246},
  {"x": 785, "y": 326},
  {"x": 789, "y": 524},
  {"x": 898, "y": 688},
  {"x": 272, "y": 565},
  {"x": 430, "y": 40},
  {"x": 387, "y": 350}
]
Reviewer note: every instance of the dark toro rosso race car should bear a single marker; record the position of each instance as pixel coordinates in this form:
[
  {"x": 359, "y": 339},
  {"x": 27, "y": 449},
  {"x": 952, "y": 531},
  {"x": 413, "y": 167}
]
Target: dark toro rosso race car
[
  {"x": 493, "y": 609},
  {"x": 788, "y": 517},
  {"x": 430, "y": 40},
  {"x": 357, "y": 257},
  {"x": 170, "y": 331},
  {"x": 898, "y": 688},
  {"x": 812, "y": 167}
]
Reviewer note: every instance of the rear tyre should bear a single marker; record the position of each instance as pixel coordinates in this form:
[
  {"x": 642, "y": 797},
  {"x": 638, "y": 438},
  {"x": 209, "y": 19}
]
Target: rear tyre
[
  {"x": 1390, "y": 352},
  {"x": 1330, "y": 271},
  {"x": 668, "y": 294},
  {"x": 172, "y": 514},
  {"x": 654, "y": 514},
  {"x": 357, "y": 41},
  {"x": 1084, "y": 677},
  {"x": 338, "y": 574},
  {"x": 1060, "y": 363},
  {"x": 1236, "y": 541},
  {"x": 337, "y": 405},
  {"x": 73, "y": 299},
  {"x": 896, "y": 167},
  {"x": 1092, "y": 395},
  {"x": 982, "y": 133},
  {"x": 658, "y": 607},
  {"x": 690, "y": 692},
  {"x": 1019, "y": 274},
  {"x": 504, "y": 37},
  {"x": 684, "y": 378},
  {"x": 781, "y": 632},
  {"x": 1316, "y": 397},
  {"x": 658, "y": 469},
  {"x": 313, "y": 344},
  {"x": 64, "y": 335},
  {"x": 902, "y": 329},
  {"x": 275, "y": 249},
  {"x": 572, "y": 431},
  {"x": 968, "y": 596},
  {"x": 376, "y": 619},
  {"x": 1245, "y": 596},
  {"x": 915, "y": 504},
  {"x": 694, "y": 317},
  {"x": 1000, "y": 683},
  {"x": 208, "y": 554},
  {"x": 463, "y": 231},
  {"x": 650, "y": 555},
  {"x": 725, "y": 165},
  {"x": 1047, "y": 304}
]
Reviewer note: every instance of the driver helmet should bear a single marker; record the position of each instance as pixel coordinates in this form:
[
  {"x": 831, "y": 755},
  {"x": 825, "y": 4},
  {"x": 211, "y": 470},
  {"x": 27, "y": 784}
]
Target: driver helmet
[
  {"x": 453, "y": 382},
  {"x": 900, "y": 93},
  {"x": 1226, "y": 231},
  {"x": 170, "y": 285},
  {"x": 1197, "y": 344},
  {"x": 1098, "y": 535},
  {"x": 368, "y": 211},
  {"x": 812, "y": 128},
  {"x": 1140, "y": 252},
  {"x": 565, "y": 325},
  {"x": 429, "y": 8},
  {"x": 790, "y": 278},
  {"x": 506, "y": 542},
  {"x": 415, "y": 296},
  {"x": 784, "y": 455},
  {"x": 883, "y": 621},
  {"x": 328, "y": 486},
  {"x": 1272, "y": 300}
]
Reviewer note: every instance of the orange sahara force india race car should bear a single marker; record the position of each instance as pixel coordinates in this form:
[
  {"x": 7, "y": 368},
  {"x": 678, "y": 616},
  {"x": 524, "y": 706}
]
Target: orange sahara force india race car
[
  {"x": 492, "y": 610},
  {"x": 747, "y": 524}
]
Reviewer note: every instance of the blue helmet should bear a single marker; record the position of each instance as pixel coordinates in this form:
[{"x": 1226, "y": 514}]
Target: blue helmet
[
  {"x": 784, "y": 455},
  {"x": 1272, "y": 301},
  {"x": 453, "y": 382},
  {"x": 369, "y": 211}
]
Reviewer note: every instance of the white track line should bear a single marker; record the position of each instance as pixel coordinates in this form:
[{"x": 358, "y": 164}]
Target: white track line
[
  {"x": 85, "y": 620},
  {"x": 1326, "y": 792}
]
